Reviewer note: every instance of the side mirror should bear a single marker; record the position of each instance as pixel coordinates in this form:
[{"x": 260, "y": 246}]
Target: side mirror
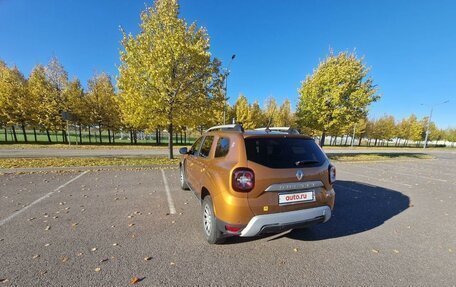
[{"x": 183, "y": 150}]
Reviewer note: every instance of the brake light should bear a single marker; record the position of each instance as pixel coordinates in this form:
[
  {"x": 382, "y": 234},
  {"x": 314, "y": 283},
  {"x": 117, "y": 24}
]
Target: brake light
[
  {"x": 332, "y": 174},
  {"x": 243, "y": 179}
]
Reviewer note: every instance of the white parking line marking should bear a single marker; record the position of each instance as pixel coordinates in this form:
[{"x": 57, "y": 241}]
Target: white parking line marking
[
  {"x": 172, "y": 209},
  {"x": 3, "y": 221}
]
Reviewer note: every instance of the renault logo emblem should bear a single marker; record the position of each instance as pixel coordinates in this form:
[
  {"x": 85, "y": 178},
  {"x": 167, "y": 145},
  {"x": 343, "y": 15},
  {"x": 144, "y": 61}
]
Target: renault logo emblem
[{"x": 299, "y": 174}]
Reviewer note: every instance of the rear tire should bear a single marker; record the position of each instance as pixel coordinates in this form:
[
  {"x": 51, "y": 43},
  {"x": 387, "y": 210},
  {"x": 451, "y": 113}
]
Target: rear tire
[
  {"x": 210, "y": 231},
  {"x": 182, "y": 179}
]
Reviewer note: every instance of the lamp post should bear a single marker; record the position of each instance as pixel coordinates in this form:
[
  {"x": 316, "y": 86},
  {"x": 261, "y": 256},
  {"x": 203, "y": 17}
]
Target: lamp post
[
  {"x": 227, "y": 72},
  {"x": 429, "y": 122}
]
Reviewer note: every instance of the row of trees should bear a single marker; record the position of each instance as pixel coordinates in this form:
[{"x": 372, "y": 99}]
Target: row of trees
[
  {"x": 39, "y": 101},
  {"x": 381, "y": 131}
]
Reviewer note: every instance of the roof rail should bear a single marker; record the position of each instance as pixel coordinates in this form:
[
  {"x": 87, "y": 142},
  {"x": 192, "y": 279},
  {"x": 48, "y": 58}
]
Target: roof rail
[
  {"x": 233, "y": 127},
  {"x": 287, "y": 130}
]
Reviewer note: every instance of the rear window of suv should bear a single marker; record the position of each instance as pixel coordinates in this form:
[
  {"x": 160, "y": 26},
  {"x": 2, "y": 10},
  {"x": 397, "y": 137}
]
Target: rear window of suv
[{"x": 284, "y": 152}]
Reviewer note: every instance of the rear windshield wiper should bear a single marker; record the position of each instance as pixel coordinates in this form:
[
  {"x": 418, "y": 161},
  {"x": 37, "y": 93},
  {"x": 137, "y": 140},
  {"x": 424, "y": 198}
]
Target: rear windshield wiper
[{"x": 306, "y": 161}]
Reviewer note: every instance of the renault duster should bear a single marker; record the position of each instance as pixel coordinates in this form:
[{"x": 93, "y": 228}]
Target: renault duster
[{"x": 255, "y": 182}]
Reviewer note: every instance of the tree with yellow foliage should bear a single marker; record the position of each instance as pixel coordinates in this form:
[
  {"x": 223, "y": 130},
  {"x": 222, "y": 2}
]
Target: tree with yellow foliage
[
  {"x": 16, "y": 109},
  {"x": 102, "y": 105},
  {"x": 337, "y": 94},
  {"x": 166, "y": 76}
]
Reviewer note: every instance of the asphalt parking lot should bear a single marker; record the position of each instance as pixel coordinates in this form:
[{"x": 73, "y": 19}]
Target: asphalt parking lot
[{"x": 393, "y": 225}]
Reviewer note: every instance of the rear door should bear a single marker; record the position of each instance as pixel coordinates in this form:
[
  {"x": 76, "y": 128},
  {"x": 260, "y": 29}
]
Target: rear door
[
  {"x": 290, "y": 173},
  {"x": 191, "y": 167},
  {"x": 201, "y": 163}
]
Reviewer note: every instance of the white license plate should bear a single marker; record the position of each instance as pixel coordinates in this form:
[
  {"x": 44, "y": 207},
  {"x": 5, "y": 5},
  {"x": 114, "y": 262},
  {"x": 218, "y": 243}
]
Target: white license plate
[{"x": 296, "y": 197}]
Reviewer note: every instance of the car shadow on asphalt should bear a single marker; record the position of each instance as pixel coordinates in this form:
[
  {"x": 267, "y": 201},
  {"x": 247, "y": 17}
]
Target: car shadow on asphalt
[{"x": 359, "y": 207}]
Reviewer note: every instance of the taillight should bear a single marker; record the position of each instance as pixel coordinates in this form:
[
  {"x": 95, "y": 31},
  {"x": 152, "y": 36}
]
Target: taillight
[
  {"x": 332, "y": 174},
  {"x": 243, "y": 179}
]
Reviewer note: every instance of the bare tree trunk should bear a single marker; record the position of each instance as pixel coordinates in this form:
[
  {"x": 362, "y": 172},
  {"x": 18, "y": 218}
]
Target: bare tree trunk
[
  {"x": 322, "y": 140},
  {"x": 48, "y": 135},
  {"x": 113, "y": 137},
  {"x": 6, "y": 134},
  {"x": 131, "y": 136},
  {"x": 185, "y": 136},
  {"x": 156, "y": 136},
  {"x": 23, "y": 132},
  {"x": 135, "y": 136},
  {"x": 90, "y": 136},
  {"x": 34, "y": 134},
  {"x": 170, "y": 140},
  {"x": 99, "y": 132},
  {"x": 14, "y": 133},
  {"x": 346, "y": 140},
  {"x": 109, "y": 135},
  {"x": 80, "y": 134},
  {"x": 64, "y": 137}
]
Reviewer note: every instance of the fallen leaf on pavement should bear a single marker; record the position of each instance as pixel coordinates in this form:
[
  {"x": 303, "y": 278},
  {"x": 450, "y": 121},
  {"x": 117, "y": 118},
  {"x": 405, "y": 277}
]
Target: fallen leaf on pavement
[
  {"x": 47, "y": 227},
  {"x": 98, "y": 269},
  {"x": 74, "y": 224},
  {"x": 295, "y": 249},
  {"x": 94, "y": 249},
  {"x": 3, "y": 280},
  {"x": 47, "y": 244},
  {"x": 79, "y": 254},
  {"x": 64, "y": 259},
  {"x": 135, "y": 280},
  {"x": 172, "y": 263},
  {"x": 147, "y": 258},
  {"x": 36, "y": 256},
  {"x": 131, "y": 224},
  {"x": 104, "y": 260},
  {"x": 450, "y": 250},
  {"x": 395, "y": 251},
  {"x": 375, "y": 251},
  {"x": 115, "y": 244}
]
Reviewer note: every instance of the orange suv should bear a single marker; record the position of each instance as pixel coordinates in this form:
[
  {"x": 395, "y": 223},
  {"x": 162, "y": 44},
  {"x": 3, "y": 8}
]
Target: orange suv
[{"x": 254, "y": 182}]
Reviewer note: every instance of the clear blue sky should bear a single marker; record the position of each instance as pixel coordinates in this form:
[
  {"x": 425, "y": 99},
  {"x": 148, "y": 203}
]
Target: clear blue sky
[{"x": 410, "y": 45}]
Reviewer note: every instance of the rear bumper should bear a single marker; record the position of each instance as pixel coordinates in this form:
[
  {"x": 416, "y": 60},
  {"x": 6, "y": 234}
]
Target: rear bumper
[{"x": 277, "y": 222}]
